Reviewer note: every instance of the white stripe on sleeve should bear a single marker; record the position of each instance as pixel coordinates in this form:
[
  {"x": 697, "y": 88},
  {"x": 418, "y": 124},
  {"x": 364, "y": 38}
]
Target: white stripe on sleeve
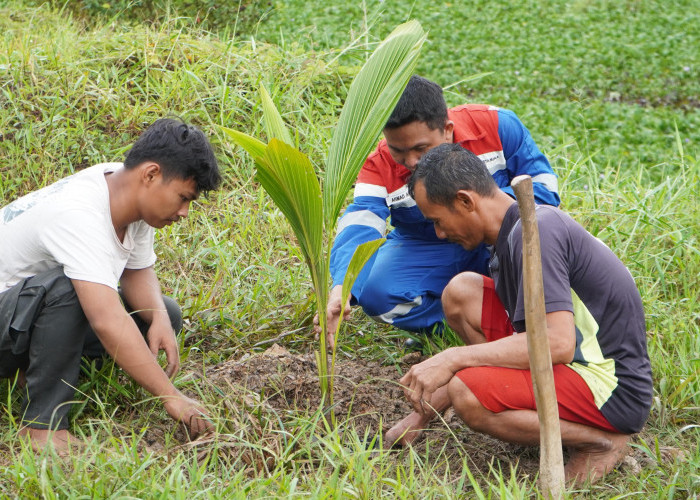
[
  {"x": 494, "y": 161},
  {"x": 362, "y": 218},
  {"x": 370, "y": 190},
  {"x": 549, "y": 181}
]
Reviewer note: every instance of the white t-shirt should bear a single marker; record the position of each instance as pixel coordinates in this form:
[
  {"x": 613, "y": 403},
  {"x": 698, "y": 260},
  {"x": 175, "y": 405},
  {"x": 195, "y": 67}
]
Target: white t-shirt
[{"x": 69, "y": 224}]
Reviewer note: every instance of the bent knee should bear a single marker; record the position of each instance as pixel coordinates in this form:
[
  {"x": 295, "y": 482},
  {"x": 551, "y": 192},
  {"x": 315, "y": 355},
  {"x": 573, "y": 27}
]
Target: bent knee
[
  {"x": 174, "y": 313},
  {"x": 462, "y": 290},
  {"x": 376, "y": 298}
]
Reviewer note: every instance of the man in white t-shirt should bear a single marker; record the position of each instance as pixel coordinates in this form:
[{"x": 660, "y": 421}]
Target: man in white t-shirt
[{"x": 74, "y": 253}]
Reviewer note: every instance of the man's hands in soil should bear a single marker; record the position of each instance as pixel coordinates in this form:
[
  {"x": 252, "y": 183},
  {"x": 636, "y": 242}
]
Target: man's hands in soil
[
  {"x": 423, "y": 379},
  {"x": 190, "y": 413}
]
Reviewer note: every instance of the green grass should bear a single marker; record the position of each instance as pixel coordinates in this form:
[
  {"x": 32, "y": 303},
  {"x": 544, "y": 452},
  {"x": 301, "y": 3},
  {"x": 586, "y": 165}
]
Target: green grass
[
  {"x": 603, "y": 86},
  {"x": 625, "y": 70}
]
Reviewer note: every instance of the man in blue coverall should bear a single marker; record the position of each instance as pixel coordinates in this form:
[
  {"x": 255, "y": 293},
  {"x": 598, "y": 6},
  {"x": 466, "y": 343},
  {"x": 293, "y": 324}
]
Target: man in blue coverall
[{"x": 402, "y": 284}]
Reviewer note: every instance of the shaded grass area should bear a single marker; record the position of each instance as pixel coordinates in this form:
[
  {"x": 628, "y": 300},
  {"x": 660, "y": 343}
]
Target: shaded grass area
[{"x": 72, "y": 95}]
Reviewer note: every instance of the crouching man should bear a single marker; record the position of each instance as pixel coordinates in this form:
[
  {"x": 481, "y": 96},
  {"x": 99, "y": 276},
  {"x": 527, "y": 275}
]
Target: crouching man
[
  {"x": 69, "y": 250},
  {"x": 595, "y": 325}
]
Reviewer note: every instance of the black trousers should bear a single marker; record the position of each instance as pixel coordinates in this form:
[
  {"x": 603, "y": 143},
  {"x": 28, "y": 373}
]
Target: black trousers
[{"x": 44, "y": 331}]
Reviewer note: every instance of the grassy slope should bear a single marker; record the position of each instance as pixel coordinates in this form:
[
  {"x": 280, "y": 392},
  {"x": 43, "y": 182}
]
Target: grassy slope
[{"x": 576, "y": 73}]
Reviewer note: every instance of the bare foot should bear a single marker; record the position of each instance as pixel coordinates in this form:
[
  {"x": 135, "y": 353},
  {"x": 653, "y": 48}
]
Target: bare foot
[
  {"x": 62, "y": 441},
  {"x": 407, "y": 430},
  {"x": 21, "y": 379},
  {"x": 591, "y": 463}
]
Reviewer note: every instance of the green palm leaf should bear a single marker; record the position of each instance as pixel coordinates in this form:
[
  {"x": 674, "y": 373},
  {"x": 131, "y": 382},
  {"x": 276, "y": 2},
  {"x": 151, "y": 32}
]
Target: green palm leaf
[
  {"x": 362, "y": 254},
  {"x": 373, "y": 94},
  {"x": 274, "y": 125},
  {"x": 254, "y": 147},
  {"x": 289, "y": 178}
]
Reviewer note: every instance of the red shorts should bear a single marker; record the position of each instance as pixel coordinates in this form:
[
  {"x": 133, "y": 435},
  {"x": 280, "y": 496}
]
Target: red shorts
[{"x": 499, "y": 389}]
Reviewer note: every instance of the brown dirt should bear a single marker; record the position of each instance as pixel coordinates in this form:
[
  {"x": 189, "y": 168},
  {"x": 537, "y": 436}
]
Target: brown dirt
[
  {"x": 264, "y": 393},
  {"x": 367, "y": 398},
  {"x": 265, "y": 396}
]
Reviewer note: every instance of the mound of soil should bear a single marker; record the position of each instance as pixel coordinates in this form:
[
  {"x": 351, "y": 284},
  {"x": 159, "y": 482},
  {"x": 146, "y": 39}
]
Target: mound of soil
[
  {"x": 277, "y": 385},
  {"x": 367, "y": 398}
]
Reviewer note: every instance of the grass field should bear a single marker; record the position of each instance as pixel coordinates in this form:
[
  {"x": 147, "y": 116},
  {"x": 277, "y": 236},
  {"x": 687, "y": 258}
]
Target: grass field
[{"x": 609, "y": 90}]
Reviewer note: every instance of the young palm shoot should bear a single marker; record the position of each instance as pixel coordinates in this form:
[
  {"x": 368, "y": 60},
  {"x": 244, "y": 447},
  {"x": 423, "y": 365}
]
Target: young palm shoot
[{"x": 289, "y": 177}]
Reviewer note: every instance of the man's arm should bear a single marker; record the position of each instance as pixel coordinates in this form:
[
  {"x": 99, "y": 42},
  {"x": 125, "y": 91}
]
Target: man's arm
[
  {"x": 141, "y": 290},
  {"x": 423, "y": 379},
  {"x": 123, "y": 341},
  {"x": 524, "y": 157}
]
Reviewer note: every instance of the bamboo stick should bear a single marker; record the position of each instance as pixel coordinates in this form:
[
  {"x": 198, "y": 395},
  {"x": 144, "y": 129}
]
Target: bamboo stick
[{"x": 551, "y": 459}]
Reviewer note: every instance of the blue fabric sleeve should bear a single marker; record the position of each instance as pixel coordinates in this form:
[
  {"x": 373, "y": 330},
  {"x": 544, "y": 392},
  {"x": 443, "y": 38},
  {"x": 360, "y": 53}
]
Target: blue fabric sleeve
[
  {"x": 524, "y": 157},
  {"x": 354, "y": 235}
]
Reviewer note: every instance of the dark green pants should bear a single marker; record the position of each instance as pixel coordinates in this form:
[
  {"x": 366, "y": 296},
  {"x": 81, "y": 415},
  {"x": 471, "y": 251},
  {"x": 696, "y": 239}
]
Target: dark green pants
[{"x": 44, "y": 332}]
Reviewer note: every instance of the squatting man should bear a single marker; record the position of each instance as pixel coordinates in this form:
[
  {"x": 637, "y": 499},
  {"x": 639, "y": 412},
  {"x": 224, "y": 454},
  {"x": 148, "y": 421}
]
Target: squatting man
[
  {"x": 76, "y": 257},
  {"x": 403, "y": 282},
  {"x": 594, "y": 315}
]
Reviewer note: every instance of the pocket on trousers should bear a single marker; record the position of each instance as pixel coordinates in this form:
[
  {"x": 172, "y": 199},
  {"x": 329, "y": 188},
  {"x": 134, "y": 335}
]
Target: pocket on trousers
[{"x": 18, "y": 312}]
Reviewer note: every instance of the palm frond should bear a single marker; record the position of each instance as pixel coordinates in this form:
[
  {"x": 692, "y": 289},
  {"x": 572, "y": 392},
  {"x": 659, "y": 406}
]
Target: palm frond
[
  {"x": 254, "y": 147},
  {"x": 372, "y": 96},
  {"x": 289, "y": 178},
  {"x": 274, "y": 125}
]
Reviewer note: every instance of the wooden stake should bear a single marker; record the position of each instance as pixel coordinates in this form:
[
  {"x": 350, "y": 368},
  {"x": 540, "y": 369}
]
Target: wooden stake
[{"x": 551, "y": 459}]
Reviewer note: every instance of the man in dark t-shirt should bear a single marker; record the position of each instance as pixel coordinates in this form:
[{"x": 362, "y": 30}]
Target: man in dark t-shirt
[{"x": 595, "y": 325}]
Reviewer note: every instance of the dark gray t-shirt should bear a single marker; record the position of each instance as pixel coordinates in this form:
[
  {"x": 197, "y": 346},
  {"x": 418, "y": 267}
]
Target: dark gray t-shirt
[{"x": 582, "y": 275}]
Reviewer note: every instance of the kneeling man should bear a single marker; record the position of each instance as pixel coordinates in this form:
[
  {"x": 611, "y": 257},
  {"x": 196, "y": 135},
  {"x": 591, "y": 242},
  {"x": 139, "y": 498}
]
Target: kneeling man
[
  {"x": 67, "y": 253},
  {"x": 595, "y": 325}
]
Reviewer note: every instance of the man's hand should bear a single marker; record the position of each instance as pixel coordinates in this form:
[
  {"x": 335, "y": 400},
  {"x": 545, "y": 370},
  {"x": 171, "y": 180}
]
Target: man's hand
[
  {"x": 423, "y": 379},
  {"x": 333, "y": 312},
  {"x": 161, "y": 336},
  {"x": 189, "y": 412}
]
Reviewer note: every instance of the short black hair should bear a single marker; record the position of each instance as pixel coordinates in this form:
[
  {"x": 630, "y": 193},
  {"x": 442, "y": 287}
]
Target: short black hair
[
  {"x": 448, "y": 168},
  {"x": 181, "y": 150},
  {"x": 421, "y": 101}
]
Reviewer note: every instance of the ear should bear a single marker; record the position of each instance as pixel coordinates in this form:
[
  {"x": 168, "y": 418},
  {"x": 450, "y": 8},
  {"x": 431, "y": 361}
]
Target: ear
[
  {"x": 466, "y": 200},
  {"x": 150, "y": 172},
  {"x": 449, "y": 131}
]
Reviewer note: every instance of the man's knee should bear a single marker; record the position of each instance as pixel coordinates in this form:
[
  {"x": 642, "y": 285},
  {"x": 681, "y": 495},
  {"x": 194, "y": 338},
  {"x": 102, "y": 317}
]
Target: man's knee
[
  {"x": 376, "y": 299},
  {"x": 171, "y": 307},
  {"x": 464, "y": 290},
  {"x": 174, "y": 313}
]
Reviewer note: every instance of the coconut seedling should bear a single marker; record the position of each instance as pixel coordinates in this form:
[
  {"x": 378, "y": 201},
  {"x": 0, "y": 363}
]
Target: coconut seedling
[{"x": 311, "y": 206}]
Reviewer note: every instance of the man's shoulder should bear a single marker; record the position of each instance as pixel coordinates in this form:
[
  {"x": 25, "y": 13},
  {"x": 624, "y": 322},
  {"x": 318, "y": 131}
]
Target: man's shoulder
[
  {"x": 473, "y": 108},
  {"x": 476, "y": 124},
  {"x": 472, "y": 112},
  {"x": 380, "y": 154},
  {"x": 550, "y": 220}
]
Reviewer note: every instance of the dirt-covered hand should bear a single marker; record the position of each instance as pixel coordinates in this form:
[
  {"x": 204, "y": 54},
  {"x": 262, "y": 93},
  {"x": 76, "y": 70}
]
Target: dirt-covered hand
[
  {"x": 161, "y": 336},
  {"x": 423, "y": 379},
  {"x": 190, "y": 413},
  {"x": 333, "y": 312}
]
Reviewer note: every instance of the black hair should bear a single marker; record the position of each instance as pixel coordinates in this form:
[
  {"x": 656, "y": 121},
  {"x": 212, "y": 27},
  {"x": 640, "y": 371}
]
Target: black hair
[
  {"x": 421, "y": 101},
  {"x": 181, "y": 150},
  {"x": 448, "y": 168}
]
